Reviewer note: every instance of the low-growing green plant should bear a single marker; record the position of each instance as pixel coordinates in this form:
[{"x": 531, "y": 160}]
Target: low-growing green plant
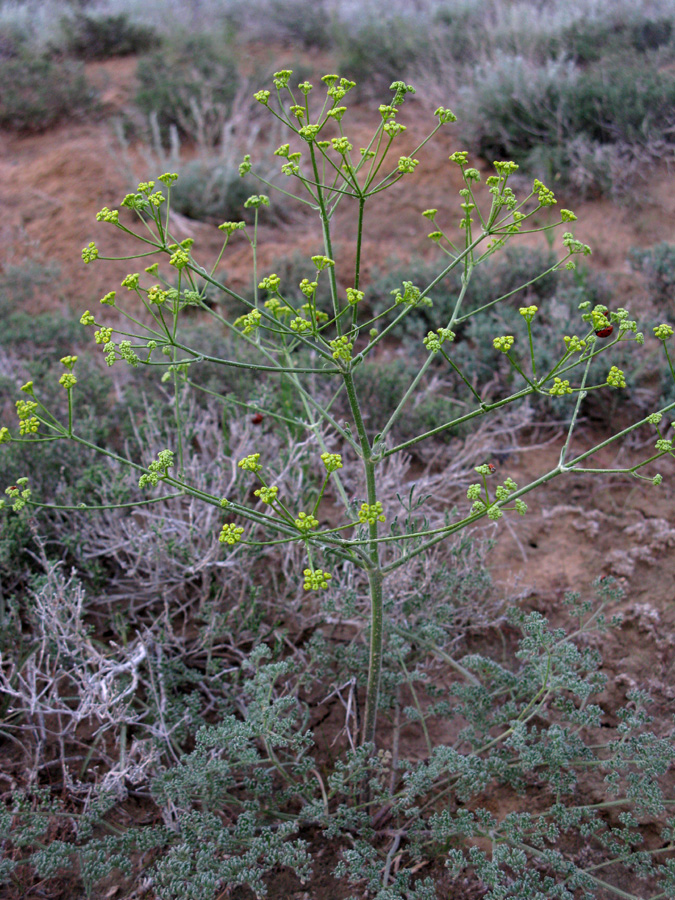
[
  {"x": 38, "y": 91},
  {"x": 233, "y": 804},
  {"x": 190, "y": 83},
  {"x": 211, "y": 191},
  {"x": 102, "y": 37},
  {"x": 557, "y": 115},
  {"x": 657, "y": 264},
  {"x": 372, "y": 53}
]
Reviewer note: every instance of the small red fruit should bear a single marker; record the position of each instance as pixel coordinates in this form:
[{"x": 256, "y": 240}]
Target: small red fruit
[
  {"x": 605, "y": 332},
  {"x": 257, "y": 418}
]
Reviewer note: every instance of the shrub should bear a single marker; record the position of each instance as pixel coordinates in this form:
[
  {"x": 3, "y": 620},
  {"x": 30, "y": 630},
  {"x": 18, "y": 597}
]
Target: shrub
[
  {"x": 372, "y": 54},
  {"x": 211, "y": 189},
  {"x": 657, "y": 264},
  {"x": 39, "y": 92},
  {"x": 568, "y": 121},
  {"x": 305, "y": 23},
  {"x": 589, "y": 41},
  {"x": 101, "y": 37},
  {"x": 191, "y": 84}
]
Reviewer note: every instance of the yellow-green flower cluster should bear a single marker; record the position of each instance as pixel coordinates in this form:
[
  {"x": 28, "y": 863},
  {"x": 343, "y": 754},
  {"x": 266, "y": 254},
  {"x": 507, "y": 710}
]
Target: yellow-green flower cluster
[
  {"x": 108, "y": 215},
  {"x": 270, "y": 283},
  {"x": 574, "y": 344},
  {"x": 336, "y": 113},
  {"x": 503, "y": 343},
  {"x": 342, "y": 348},
  {"x": 316, "y": 580},
  {"x": 90, "y": 252},
  {"x": 575, "y": 246},
  {"x": 506, "y": 168},
  {"x": 460, "y": 157},
  {"x": 131, "y": 281},
  {"x": 156, "y": 295},
  {"x": 29, "y": 426},
  {"x": 267, "y": 494},
  {"x": 393, "y": 129},
  {"x": 262, "y": 97},
  {"x": 528, "y": 312},
  {"x": 308, "y": 287},
  {"x": 280, "y": 78},
  {"x": 277, "y": 308},
  {"x": 371, "y": 513},
  {"x": 354, "y": 296},
  {"x": 230, "y": 533},
  {"x": 250, "y": 463},
  {"x": 332, "y": 461},
  {"x": 157, "y": 469},
  {"x": 103, "y": 335},
  {"x": 255, "y": 201},
  {"x": 68, "y": 380},
  {"x": 249, "y": 322},
  {"x": 445, "y": 115},
  {"x": 560, "y": 388},
  {"x": 433, "y": 341},
  {"x": 130, "y": 356},
  {"x": 616, "y": 378},
  {"x": 230, "y": 227},
  {"x": 108, "y": 299},
  {"x": 168, "y": 178},
  {"x": 179, "y": 258},
  {"x": 566, "y": 215},
  {"x": 663, "y": 332},
  {"x": 544, "y": 194},
  {"x": 663, "y": 445},
  {"x": 341, "y": 145},
  {"x": 5, "y": 435},
  {"x": 19, "y": 493},
  {"x": 407, "y": 164},
  {"x": 300, "y": 325},
  {"x": 86, "y": 318},
  {"x": 503, "y": 491},
  {"x": 323, "y": 262},
  {"x": 306, "y": 522},
  {"x": 598, "y": 317}
]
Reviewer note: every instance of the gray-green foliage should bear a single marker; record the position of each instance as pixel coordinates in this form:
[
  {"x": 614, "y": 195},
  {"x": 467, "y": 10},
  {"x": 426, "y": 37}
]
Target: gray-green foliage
[
  {"x": 190, "y": 83},
  {"x": 533, "y": 727},
  {"x": 39, "y": 92}
]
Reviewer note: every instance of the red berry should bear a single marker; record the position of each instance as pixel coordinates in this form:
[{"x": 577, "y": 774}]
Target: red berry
[
  {"x": 257, "y": 418},
  {"x": 605, "y": 332}
]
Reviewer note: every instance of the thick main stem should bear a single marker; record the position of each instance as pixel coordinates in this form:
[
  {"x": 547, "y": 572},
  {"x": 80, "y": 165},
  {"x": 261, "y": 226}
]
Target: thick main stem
[
  {"x": 375, "y": 579},
  {"x": 375, "y": 575}
]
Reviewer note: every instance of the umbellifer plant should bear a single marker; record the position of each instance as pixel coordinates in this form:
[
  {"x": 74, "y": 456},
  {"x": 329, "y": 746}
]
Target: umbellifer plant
[{"x": 256, "y": 760}]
